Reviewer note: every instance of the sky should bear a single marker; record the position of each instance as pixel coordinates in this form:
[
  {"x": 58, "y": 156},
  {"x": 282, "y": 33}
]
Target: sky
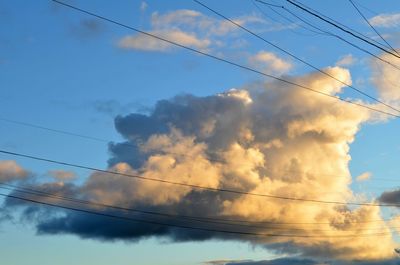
[{"x": 78, "y": 89}]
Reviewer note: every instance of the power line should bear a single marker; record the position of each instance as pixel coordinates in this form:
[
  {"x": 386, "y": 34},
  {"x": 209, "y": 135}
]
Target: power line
[
  {"x": 224, "y": 60},
  {"x": 371, "y": 26},
  {"x": 294, "y": 56},
  {"x": 140, "y": 177},
  {"x": 336, "y": 25},
  {"x": 216, "y": 220},
  {"x": 127, "y": 144},
  {"x": 287, "y": 19},
  {"x": 324, "y": 32},
  {"x": 186, "y": 226}
]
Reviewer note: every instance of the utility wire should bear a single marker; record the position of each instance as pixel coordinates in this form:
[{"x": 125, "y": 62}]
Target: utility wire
[
  {"x": 336, "y": 25},
  {"x": 287, "y": 19},
  {"x": 331, "y": 34},
  {"x": 348, "y": 28},
  {"x": 218, "y": 221},
  {"x": 224, "y": 60},
  {"x": 293, "y": 55},
  {"x": 24, "y": 189},
  {"x": 371, "y": 26},
  {"x": 194, "y": 186},
  {"x": 211, "y": 159},
  {"x": 185, "y": 226}
]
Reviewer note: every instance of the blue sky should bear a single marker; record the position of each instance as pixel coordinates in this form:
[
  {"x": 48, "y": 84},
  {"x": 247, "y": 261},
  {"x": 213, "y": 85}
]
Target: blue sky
[{"x": 65, "y": 70}]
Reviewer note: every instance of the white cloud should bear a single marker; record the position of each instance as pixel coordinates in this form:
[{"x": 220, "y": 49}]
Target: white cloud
[
  {"x": 386, "y": 20},
  {"x": 147, "y": 43},
  {"x": 387, "y": 79},
  {"x": 270, "y": 63},
  {"x": 186, "y": 27},
  {"x": 364, "y": 176},
  {"x": 346, "y": 60}
]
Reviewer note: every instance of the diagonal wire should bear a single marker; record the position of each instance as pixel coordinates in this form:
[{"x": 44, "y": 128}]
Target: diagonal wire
[
  {"x": 294, "y": 56},
  {"x": 224, "y": 60}
]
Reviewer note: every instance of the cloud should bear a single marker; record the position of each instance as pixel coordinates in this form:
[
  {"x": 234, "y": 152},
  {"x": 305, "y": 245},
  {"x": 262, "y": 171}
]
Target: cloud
[
  {"x": 270, "y": 63},
  {"x": 386, "y": 78},
  {"x": 390, "y": 197},
  {"x": 299, "y": 261},
  {"x": 385, "y": 20},
  {"x": 11, "y": 171},
  {"x": 262, "y": 138},
  {"x": 364, "y": 176},
  {"x": 147, "y": 43},
  {"x": 62, "y": 175},
  {"x": 187, "y": 27},
  {"x": 87, "y": 28},
  {"x": 143, "y": 6},
  {"x": 346, "y": 60}
]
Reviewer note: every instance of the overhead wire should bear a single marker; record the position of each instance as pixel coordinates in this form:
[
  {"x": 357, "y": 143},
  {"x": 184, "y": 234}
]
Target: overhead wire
[
  {"x": 371, "y": 26},
  {"x": 289, "y": 20},
  {"x": 210, "y": 158},
  {"x": 224, "y": 60},
  {"x": 194, "y": 186},
  {"x": 216, "y": 221},
  {"x": 325, "y": 32},
  {"x": 295, "y": 56},
  {"x": 337, "y": 25},
  {"x": 136, "y": 220}
]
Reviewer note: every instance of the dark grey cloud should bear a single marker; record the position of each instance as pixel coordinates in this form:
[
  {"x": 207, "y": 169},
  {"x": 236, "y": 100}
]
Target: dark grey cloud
[
  {"x": 300, "y": 261},
  {"x": 391, "y": 197},
  {"x": 87, "y": 28}
]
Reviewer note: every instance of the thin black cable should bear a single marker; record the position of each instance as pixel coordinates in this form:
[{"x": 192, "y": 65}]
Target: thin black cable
[
  {"x": 193, "y": 185},
  {"x": 324, "y": 32},
  {"x": 185, "y": 226},
  {"x": 287, "y": 19},
  {"x": 127, "y": 144},
  {"x": 191, "y": 217},
  {"x": 295, "y": 56},
  {"x": 371, "y": 26},
  {"x": 347, "y": 27},
  {"x": 332, "y": 34},
  {"x": 218, "y": 221},
  {"x": 224, "y": 60},
  {"x": 302, "y": 7}
]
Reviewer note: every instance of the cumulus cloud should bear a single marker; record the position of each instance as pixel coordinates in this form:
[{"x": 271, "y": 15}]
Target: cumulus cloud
[
  {"x": 385, "y": 20},
  {"x": 11, "y": 171},
  {"x": 270, "y": 63},
  {"x": 261, "y": 138}
]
